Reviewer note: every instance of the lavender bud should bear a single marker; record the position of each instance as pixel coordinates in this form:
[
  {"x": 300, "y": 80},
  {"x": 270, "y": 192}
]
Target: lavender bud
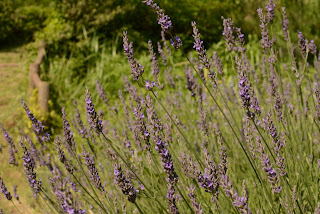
[
  {"x": 195, "y": 205},
  {"x": 162, "y": 54},
  {"x": 176, "y": 42},
  {"x": 312, "y": 47},
  {"x": 172, "y": 200},
  {"x": 93, "y": 172},
  {"x": 101, "y": 92},
  {"x": 4, "y": 190},
  {"x": 285, "y": 24},
  {"x": 155, "y": 66},
  {"x": 37, "y": 126},
  {"x": 124, "y": 183},
  {"x": 12, "y": 147},
  {"x": 81, "y": 127},
  {"x": 302, "y": 44},
  {"x": 136, "y": 67},
  {"x": 163, "y": 20},
  {"x": 93, "y": 119},
  {"x": 265, "y": 41},
  {"x": 68, "y": 134},
  {"x": 28, "y": 166},
  {"x": 270, "y": 11},
  {"x": 16, "y": 196}
]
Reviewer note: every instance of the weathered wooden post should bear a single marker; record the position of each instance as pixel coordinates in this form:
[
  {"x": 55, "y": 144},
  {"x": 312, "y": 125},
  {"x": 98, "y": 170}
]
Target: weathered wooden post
[{"x": 35, "y": 81}]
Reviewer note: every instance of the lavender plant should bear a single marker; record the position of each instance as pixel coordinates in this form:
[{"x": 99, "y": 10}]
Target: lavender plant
[{"x": 243, "y": 141}]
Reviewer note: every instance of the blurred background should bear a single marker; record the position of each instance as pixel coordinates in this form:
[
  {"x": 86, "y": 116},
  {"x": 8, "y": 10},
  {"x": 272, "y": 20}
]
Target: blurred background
[{"x": 83, "y": 43}]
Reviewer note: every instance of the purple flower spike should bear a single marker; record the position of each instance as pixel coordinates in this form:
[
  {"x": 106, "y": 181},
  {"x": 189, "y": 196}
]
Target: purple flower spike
[
  {"x": 4, "y": 190},
  {"x": 12, "y": 147},
  {"x": 124, "y": 183},
  {"x": 79, "y": 125},
  {"x": 240, "y": 202},
  {"x": 93, "y": 172},
  {"x": 136, "y": 67},
  {"x": 101, "y": 92},
  {"x": 285, "y": 24},
  {"x": 302, "y": 44},
  {"x": 176, "y": 43},
  {"x": 270, "y": 11},
  {"x": 163, "y": 20},
  {"x": 16, "y": 196},
  {"x": 195, "y": 205},
  {"x": 198, "y": 45},
  {"x": 93, "y": 118},
  {"x": 37, "y": 126},
  {"x": 28, "y": 166},
  {"x": 68, "y": 134},
  {"x": 149, "y": 85},
  {"x": 266, "y": 43},
  {"x": 155, "y": 66}
]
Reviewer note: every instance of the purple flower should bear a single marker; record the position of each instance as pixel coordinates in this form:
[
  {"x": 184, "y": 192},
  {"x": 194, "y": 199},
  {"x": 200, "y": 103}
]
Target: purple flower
[
  {"x": 149, "y": 85},
  {"x": 266, "y": 43},
  {"x": 16, "y": 196},
  {"x": 198, "y": 45},
  {"x": 163, "y": 39},
  {"x": 228, "y": 33},
  {"x": 28, "y": 166},
  {"x": 172, "y": 199},
  {"x": 4, "y": 190},
  {"x": 79, "y": 125},
  {"x": 12, "y": 147},
  {"x": 37, "y": 126},
  {"x": 270, "y": 11},
  {"x": 68, "y": 134},
  {"x": 93, "y": 172},
  {"x": 93, "y": 119},
  {"x": 312, "y": 47},
  {"x": 140, "y": 130},
  {"x": 156, "y": 129},
  {"x": 162, "y": 54},
  {"x": 285, "y": 24},
  {"x": 101, "y": 92},
  {"x": 163, "y": 20},
  {"x": 195, "y": 205},
  {"x": 67, "y": 163},
  {"x": 124, "y": 183},
  {"x": 302, "y": 44},
  {"x": 176, "y": 42},
  {"x": 240, "y": 202},
  {"x": 136, "y": 67},
  {"x": 267, "y": 167},
  {"x": 155, "y": 66},
  {"x": 217, "y": 62}
]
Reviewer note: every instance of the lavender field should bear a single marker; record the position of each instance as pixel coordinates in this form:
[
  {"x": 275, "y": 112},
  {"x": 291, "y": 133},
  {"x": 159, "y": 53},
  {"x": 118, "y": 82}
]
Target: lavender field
[{"x": 230, "y": 127}]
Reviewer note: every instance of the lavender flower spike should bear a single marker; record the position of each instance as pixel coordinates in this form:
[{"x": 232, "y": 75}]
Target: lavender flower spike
[
  {"x": 270, "y": 8},
  {"x": 28, "y": 166},
  {"x": 4, "y": 190},
  {"x": 101, "y": 92},
  {"x": 12, "y": 147},
  {"x": 198, "y": 45},
  {"x": 93, "y": 118},
  {"x": 136, "y": 67},
  {"x": 93, "y": 172},
  {"x": 240, "y": 202},
  {"x": 37, "y": 126},
  {"x": 285, "y": 24},
  {"x": 68, "y": 134},
  {"x": 81, "y": 127},
  {"x": 163, "y": 20},
  {"x": 16, "y": 196},
  {"x": 265, "y": 41},
  {"x": 176, "y": 42},
  {"x": 124, "y": 183},
  {"x": 195, "y": 205}
]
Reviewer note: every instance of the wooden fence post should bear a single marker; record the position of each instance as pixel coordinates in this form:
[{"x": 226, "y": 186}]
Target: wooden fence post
[{"x": 35, "y": 81}]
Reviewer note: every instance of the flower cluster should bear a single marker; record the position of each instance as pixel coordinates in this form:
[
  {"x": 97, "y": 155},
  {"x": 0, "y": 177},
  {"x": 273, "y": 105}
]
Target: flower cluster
[
  {"x": 4, "y": 190},
  {"x": 163, "y": 20},
  {"x": 124, "y": 183},
  {"x": 93, "y": 172},
  {"x": 93, "y": 118},
  {"x": 37, "y": 126},
  {"x": 136, "y": 67},
  {"x": 101, "y": 92}
]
